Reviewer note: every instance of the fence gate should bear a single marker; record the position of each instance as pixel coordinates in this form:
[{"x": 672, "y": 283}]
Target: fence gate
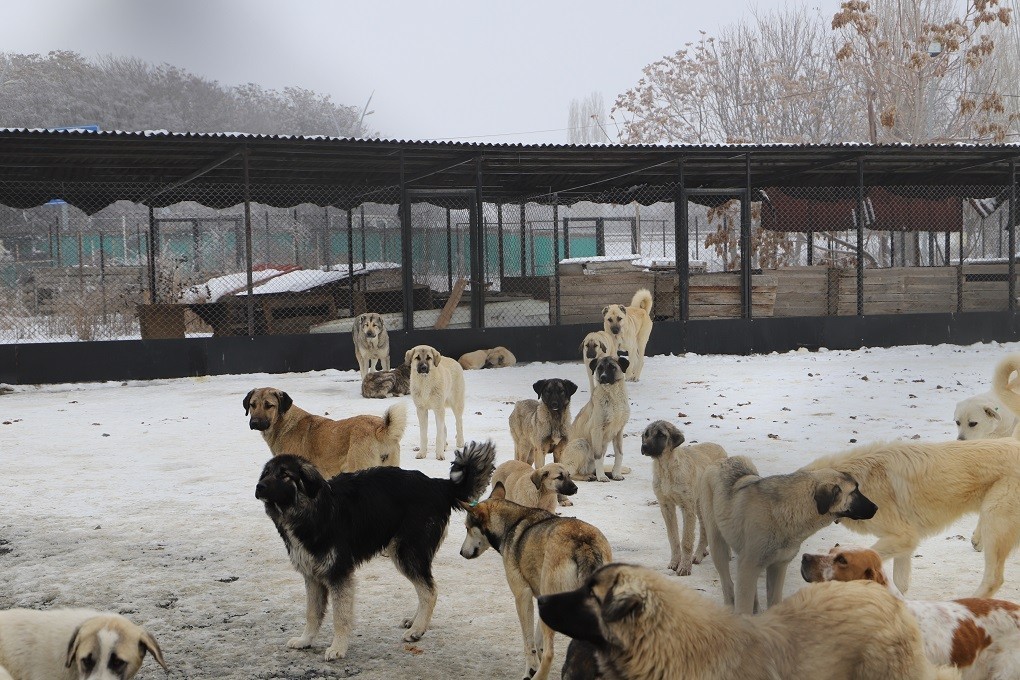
[{"x": 717, "y": 297}]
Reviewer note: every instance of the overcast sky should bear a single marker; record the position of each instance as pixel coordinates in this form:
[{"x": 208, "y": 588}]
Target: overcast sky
[{"x": 455, "y": 69}]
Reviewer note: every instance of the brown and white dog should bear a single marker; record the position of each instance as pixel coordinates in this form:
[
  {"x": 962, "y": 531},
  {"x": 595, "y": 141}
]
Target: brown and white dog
[
  {"x": 979, "y": 636},
  {"x": 596, "y": 345},
  {"x": 534, "y": 488}
]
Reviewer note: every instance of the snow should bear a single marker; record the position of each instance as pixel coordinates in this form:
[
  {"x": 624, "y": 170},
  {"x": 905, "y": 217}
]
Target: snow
[
  {"x": 274, "y": 281},
  {"x": 213, "y": 289},
  {"x": 600, "y": 258},
  {"x": 139, "y": 497}
]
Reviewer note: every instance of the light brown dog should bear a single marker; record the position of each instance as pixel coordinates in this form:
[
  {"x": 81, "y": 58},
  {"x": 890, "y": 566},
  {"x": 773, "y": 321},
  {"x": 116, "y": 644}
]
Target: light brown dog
[
  {"x": 437, "y": 383},
  {"x": 371, "y": 343},
  {"x": 646, "y": 626},
  {"x": 472, "y": 361},
  {"x": 497, "y": 357},
  {"x": 676, "y": 476},
  {"x": 71, "y": 644},
  {"x": 599, "y": 423},
  {"x": 596, "y": 345},
  {"x": 332, "y": 446},
  {"x": 631, "y": 325},
  {"x": 534, "y": 488},
  {"x": 542, "y": 554}
]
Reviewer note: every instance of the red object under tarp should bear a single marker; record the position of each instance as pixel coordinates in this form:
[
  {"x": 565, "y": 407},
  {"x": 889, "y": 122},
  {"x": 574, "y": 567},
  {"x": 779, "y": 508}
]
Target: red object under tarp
[{"x": 834, "y": 209}]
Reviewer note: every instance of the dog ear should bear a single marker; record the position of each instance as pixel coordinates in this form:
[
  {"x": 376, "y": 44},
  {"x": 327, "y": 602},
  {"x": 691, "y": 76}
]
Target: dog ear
[
  {"x": 72, "y": 648},
  {"x": 875, "y": 575},
  {"x": 991, "y": 413},
  {"x": 407, "y": 357},
  {"x": 569, "y": 388},
  {"x": 247, "y": 402},
  {"x": 623, "y": 601},
  {"x": 539, "y": 386},
  {"x": 498, "y": 491},
  {"x": 436, "y": 357},
  {"x": 825, "y": 497},
  {"x": 310, "y": 481},
  {"x": 147, "y": 642},
  {"x": 676, "y": 437},
  {"x": 537, "y": 477},
  {"x": 592, "y": 364},
  {"x": 605, "y": 310},
  {"x": 285, "y": 402},
  {"x": 624, "y": 363}
]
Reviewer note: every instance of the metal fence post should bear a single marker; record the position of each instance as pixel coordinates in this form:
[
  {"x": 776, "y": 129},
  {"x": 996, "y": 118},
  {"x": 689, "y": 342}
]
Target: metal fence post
[
  {"x": 250, "y": 298},
  {"x": 860, "y": 237},
  {"x": 681, "y": 242},
  {"x": 499, "y": 246},
  {"x": 151, "y": 255},
  {"x": 556, "y": 253},
  {"x": 745, "y": 243},
  {"x": 406, "y": 250},
  {"x": 1011, "y": 226},
  {"x": 478, "y": 253},
  {"x": 449, "y": 252},
  {"x": 350, "y": 256}
]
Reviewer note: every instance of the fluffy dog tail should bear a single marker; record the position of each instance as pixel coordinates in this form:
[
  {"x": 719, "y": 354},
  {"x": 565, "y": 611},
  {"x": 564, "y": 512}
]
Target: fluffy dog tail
[
  {"x": 642, "y": 299},
  {"x": 394, "y": 423},
  {"x": 1005, "y": 389},
  {"x": 471, "y": 470}
]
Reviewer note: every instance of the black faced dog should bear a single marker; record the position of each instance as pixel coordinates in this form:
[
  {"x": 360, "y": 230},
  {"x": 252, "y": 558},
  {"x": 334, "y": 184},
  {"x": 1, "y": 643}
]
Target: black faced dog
[
  {"x": 541, "y": 427},
  {"x": 331, "y": 527}
]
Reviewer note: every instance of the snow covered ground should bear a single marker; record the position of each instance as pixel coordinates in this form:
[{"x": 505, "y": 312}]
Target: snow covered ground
[{"x": 139, "y": 497}]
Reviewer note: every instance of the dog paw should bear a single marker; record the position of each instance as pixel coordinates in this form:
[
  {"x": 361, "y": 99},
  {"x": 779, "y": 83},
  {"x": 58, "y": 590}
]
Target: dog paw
[
  {"x": 975, "y": 541},
  {"x": 615, "y": 478},
  {"x": 566, "y": 502},
  {"x": 421, "y": 454},
  {"x": 299, "y": 642},
  {"x": 337, "y": 650},
  {"x": 603, "y": 479},
  {"x": 683, "y": 570},
  {"x": 412, "y": 636},
  {"x": 406, "y": 623}
]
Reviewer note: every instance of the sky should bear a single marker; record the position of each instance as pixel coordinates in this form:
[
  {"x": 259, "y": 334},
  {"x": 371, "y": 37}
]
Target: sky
[{"x": 477, "y": 71}]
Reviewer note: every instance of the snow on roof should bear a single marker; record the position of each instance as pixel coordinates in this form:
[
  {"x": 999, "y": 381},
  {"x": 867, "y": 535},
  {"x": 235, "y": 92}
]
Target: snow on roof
[
  {"x": 600, "y": 258},
  {"x": 285, "y": 280},
  {"x": 213, "y": 289}
]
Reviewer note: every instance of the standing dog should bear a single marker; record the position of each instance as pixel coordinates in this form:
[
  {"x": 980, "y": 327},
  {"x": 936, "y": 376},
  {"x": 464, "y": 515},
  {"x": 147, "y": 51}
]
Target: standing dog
[
  {"x": 631, "y": 325},
  {"x": 535, "y": 488},
  {"x": 981, "y": 637},
  {"x": 333, "y": 446},
  {"x": 600, "y": 422},
  {"x": 596, "y": 345},
  {"x": 72, "y": 644},
  {"x": 371, "y": 343},
  {"x": 331, "y": 527},
  {"x": 542, "y": 427},
  {"x": 676, "y": 478},
  {"x": 542, "y": 554},
  {"x": 646, "y": 626},
  {"x": 765, "y": 519},
  {"x": 395, "y": 382},
  {"x": 437, "y": 382},
  {"x": 921, "y": 488}
]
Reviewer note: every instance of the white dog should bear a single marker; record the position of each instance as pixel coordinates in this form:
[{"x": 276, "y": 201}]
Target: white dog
[
  {"x": 72, "y": 644},
  {"x": 984, "y": 417},
  {"x": 437, "y": 382}
]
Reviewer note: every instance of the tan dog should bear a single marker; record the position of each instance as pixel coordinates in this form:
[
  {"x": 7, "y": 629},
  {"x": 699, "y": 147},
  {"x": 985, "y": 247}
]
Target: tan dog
[
  {"x": 542, "y": 554},
  {"x": 534, "y": 488},
  {"x": 646, "y": 626},
  {"x": 676, "y": 478},
  {"x": 542, "y": 427},
  {"x": 472, "y": 361},
  {"x": 596, "y": 345},
  {"x": 765, "y": 519},
  {"x": 979, "y": 636},
  {"x": 72, "y": 644},
  {"x": 332, "y": 446},
  {"x": 600, "y": 422},
  {"x": 497, "y": 357},
  {"x": 923, "y": 487},
  {"x": 437, "y": 382},
  {"x": 371, "y": 343},
  {"x": 631, "y": 325}
]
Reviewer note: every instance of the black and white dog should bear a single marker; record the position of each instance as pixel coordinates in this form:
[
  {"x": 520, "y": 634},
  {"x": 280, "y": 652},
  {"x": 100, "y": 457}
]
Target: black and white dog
[{"x": 331, "y": 527}]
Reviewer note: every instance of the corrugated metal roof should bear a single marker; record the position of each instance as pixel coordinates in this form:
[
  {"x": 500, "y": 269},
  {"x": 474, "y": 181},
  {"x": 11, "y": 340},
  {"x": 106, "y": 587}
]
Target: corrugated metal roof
[{"x": 92, "y": 169}]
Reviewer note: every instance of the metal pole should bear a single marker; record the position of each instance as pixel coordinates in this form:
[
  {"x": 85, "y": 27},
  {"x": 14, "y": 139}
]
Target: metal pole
[
  {"x": 1011, "y": 226},
  {"x": 478, "y": 253},
  {"x": 250, "y": 301},
  {"x": 745, "y": 242},
  {"x": 947, "y": 244},
  {"x": 600, "y": 236},
  {"x": 524, "y": 244},
  {"x": 406, "y": 251},
  {"x": 566, "y": 237},
  {"x": 269, "y": 241},
  {"x": 326, "y": 241},
  {"x": 364, "y": 233},
  {"x": 449, "y": 252},
  {"x": 499, "y": 233},
  {"x": 860, "y": 237},
  {"x": 350, "y": 257},
  {"x": 153, "y": 293},
  {"x": 556, "y": 252},
  {"x": 959, "y": 276},
  {"x": 682, "y": 246}
]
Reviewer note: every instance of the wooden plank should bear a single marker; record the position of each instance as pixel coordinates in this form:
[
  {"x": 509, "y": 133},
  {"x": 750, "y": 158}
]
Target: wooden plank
[{"x": 451, "y": 304}]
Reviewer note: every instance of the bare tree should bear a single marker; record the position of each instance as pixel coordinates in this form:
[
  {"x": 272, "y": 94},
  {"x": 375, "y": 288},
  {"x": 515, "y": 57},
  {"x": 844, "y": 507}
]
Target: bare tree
[{"x": 586, "y": 121}]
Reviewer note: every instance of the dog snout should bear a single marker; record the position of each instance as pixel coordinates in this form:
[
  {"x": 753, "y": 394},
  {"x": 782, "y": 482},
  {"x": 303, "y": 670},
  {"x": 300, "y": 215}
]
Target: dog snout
[
  {"x": 369, "y": 334},
  {"x": 807, "y": 570},
  {"x": 259, "y": 424},
  {"x": 615, "y": 330},
  {"x": 568, "y": 488},
  {"x": 261, "y": 491},
  {"x": 861, "y": 507},
  {"x": 648, "y": 450},
  {"x": 423, "y": 368}
]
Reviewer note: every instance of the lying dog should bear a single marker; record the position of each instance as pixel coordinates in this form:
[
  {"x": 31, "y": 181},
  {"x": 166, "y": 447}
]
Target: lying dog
[
  {"x": 535, "y": 488},
  {"x": 542, "y": 427},
  {"x": 331, "y": 527},
  {"x": 646, "y": 626},
  {"x": 333, "y": 446},
  {"x": 395, "y": 382},
  {"x": 600, "y": 422},
  {"x": 371, "y": 343},
  {"x": 922, "y": 487},
  {"x": 72, "y": 644},
  {"x": 765, "y": 519},
  {"x": 981, "y": 637},
  {"x": 437, "y": 382},
  {"x": 631, "y": 325},
  {"x": 497, "y": 357},
  {"x": 676, "y": 478},
  {"x": 542, "y": 554},
  {"x": 596, "y": 345},
  {"x": 472, "y": 361}
]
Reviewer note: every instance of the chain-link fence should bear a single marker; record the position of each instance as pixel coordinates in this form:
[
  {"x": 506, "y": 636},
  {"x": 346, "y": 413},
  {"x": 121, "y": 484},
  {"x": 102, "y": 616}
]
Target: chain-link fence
[{"x": 123, "y": 270}]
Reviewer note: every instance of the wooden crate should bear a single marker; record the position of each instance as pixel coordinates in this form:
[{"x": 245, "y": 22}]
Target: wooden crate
[
  {"x": 717, "y": 295},
  {"x": 986, "y": 287},
  {"x": 583, "y": 297},
  {"x": 899, "y": 290},
  {"x": 801, "y": 291}
]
